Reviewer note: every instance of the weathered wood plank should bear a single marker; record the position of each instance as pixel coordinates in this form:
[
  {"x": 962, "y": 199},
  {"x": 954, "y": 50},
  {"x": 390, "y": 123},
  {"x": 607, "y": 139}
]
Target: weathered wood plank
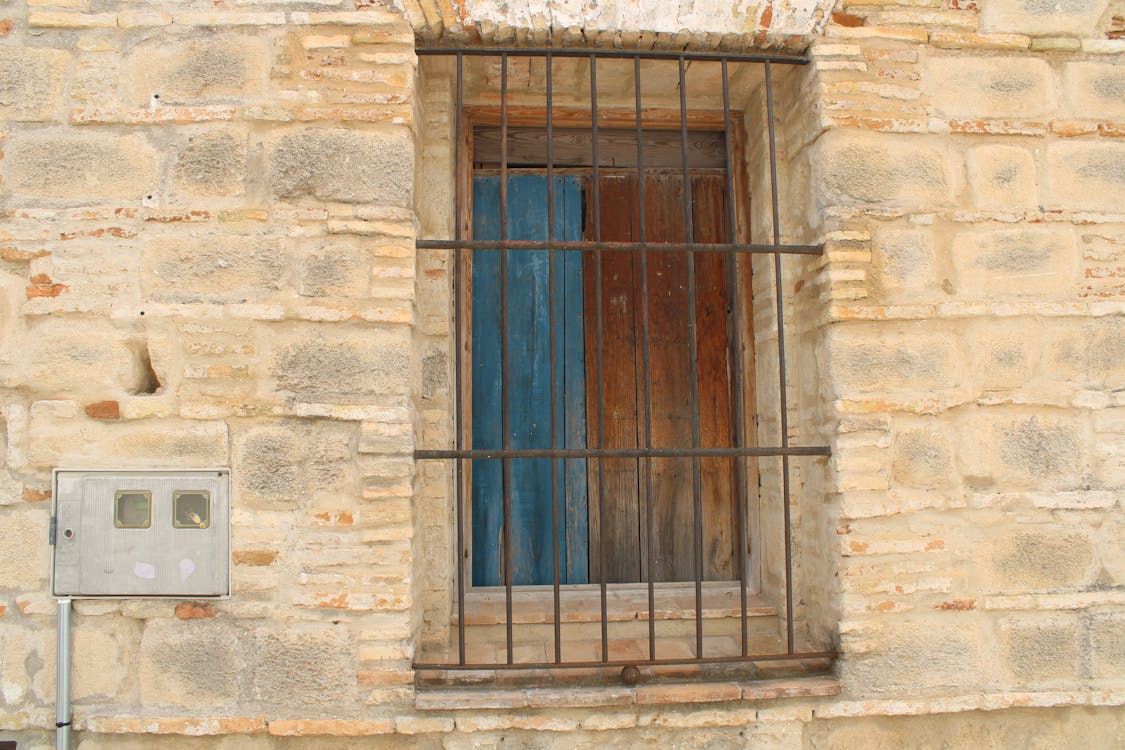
[{"x": 573, "y": 147}]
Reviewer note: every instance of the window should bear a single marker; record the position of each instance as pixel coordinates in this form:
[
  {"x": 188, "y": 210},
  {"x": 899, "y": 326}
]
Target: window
[{"x": 605, "y": 455}]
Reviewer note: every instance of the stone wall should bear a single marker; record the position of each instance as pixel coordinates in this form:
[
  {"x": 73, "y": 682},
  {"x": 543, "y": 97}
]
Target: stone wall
[{"x": 207, "y": 258}]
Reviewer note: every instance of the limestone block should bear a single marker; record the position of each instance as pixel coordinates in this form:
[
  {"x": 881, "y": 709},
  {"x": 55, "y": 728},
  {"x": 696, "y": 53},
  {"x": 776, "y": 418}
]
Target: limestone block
[
  {"x": 310, "y": 666},
  {"x": 861, "y": 167},
  {"x": 1040, "y": 648},
  {"x": 289, "y": 463},
  {"x": 904, "y": 259},
  {"x": 87, "y": 357},
  {"x": 917, "y": 656},
  {"x": 923, "y": 458},
  {"x": 1040, "y": 558},
  {"x": 1104, "y": 638},
  {"x": 1042, "y": 17},
  {"x": 1012, "y": 449},
  {"x": 211, "y": 266},
  {"x": 24, "y": 558},
  {"x": 141, "y": 442},
  {"x": 31, "y": 83},
  {"x": 194, "y": 663},
  {"x": 192, "y": 71},
  {"x": 321, "y": 363},
  {"x": 1085, "y": 175},
  {"x": 212, "y": 163},
  {"x": 69, "y": 164},
  {"x": 1005, "y": 354},
  {"x": 371, "y": 166},
  {"x": 106, "y": 667},
  {"x": 870, "y": 360},
  {"x": 1092, "y": 353},
  {"x": 985, "y": 87},
  {"x": 1095, "y": 90},
  {"x": 335, "y": 268},
  {"x": 1001, "y": 177},
  {"x": 996, "y": 264}
]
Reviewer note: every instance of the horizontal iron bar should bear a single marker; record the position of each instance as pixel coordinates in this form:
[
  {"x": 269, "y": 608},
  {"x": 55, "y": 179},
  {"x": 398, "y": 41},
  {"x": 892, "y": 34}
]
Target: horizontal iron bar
[
  {"x": 615, "y": 54},
  {"x": 667, "y": 247},
  {"x": 635, "y": 662},
  {"x": 485, "y": 453}
]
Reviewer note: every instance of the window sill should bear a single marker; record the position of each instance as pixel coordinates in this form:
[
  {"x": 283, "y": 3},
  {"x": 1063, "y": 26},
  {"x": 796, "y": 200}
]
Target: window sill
[{"x": 452, "y": 699}]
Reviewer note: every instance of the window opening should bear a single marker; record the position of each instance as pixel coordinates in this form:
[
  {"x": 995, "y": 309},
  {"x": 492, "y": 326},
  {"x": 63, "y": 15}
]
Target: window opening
[{"x": 604, "y": 392}]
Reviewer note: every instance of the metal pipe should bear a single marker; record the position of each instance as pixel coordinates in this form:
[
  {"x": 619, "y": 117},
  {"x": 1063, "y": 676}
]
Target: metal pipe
[
  {"x": 62, "y": 677},
  {"x": 617, "y": 54}
]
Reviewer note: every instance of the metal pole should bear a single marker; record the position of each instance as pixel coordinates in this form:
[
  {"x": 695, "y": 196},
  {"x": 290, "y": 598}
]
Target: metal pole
[{"x": 62, "y": 678}]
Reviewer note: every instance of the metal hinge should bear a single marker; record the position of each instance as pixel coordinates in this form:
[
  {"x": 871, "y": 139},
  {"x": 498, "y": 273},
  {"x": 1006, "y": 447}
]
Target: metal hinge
[{"x": 51, "y": 530}]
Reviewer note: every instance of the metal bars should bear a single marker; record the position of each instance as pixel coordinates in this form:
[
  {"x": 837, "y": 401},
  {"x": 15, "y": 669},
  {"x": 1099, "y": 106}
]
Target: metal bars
[{"x": 647, "y": 456}]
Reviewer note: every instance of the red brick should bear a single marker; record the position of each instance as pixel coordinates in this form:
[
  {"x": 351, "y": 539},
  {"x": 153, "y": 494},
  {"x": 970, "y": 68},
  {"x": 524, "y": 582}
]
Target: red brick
[
  {"x": 841, "y": 18},
  {"x": 194, "y": 611},
  {"x": 35, "y": 495},
  {"x": 104, "y": 410}
]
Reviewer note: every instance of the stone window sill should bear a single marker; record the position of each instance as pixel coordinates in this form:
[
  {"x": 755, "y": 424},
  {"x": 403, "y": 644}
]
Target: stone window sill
[{"x": 452, "y": 699}]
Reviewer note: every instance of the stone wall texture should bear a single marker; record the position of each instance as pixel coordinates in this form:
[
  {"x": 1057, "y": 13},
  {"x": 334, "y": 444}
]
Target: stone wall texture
[{"x": 208, "y": 215}]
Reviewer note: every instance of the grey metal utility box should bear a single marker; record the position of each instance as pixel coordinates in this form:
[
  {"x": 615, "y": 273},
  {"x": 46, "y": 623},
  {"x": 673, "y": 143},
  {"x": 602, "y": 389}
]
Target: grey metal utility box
[{"x": 141, "y": 532}]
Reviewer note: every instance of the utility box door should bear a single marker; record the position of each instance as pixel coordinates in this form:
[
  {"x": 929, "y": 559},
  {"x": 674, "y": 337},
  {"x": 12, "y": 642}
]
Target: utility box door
[{"x": 142, "y": 533}]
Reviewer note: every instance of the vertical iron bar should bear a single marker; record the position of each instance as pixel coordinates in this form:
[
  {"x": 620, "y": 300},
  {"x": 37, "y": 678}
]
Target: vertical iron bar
[
  {"x": 781, "y": 367},
  {"x": 693, "y": 368},
  {"x": 646, "y": 462},
  {"x": 459, "y": 323},
  {"x": 504, "y": 392},
  {"x": 599, "y": 353},
  {"x": 736, "y": 329},
  {"x": 552, "y": 360}
]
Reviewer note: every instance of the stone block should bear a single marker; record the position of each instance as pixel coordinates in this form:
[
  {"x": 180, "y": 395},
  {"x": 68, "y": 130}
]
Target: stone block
[
  {"x": 308, "y": 667},
  {"x": 1040, "y": 558},
  {"x": 904, "y": 259},
  {"x": 909, "y": 359},
  {"x": 325, "y": 364},
  {"x": 1005, "y": 354},
  {"x": 1085, "y": 175},
  {"x": 141, "y": 442},
  {"x": 337, "y": 268},
  {"x": 1103, "y": 640},
  {"x": 918, "y": 656},
  {"x": 1018, "y": 450},
  {"x": 289, "y": 463},
  {"x": 860, "y": 167},
  {"x": 191, "y": 664},
  {"x": 371, "y": 166},
  {"x": 106, "y": 666},
  {"x": 31, "y": 83},
  {"x": 211, "y": 266},
  {"x": 1042, "y": 17},
  {"x": 67, "y": 164},
  {"x": 996, "y": 264},
  {"x": 212, "y": 163},
  {"x": 194, "y": 71},
  {"x": 991, "y": 87},
  {"x": 1095, "y": 90},
  {"x": 87, "y": 358},
  {"x": 1092, "y": 354},
  {"x": 923, "y": 458},
  {"x": 1001, "y": 177},
  {"x": 24, "y": 556},
  {"x": 1039, "y": 649}
]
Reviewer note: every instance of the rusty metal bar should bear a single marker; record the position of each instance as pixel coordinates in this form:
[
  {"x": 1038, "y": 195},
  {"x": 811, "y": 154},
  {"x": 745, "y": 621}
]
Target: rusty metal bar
[
  {"x": 757, "y": 57},
  {"x": 504, "y": 369},
  {"x": 666, "y": 247},
  {"x": 625, "y": 663},
  {"x": 505, "y": 453},
  {"x": 551, "y": 299},
  {"x": 458, "y": 302},
  {"x": 736, "y": 363}
]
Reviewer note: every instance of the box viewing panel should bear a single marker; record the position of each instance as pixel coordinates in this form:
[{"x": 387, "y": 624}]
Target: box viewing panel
[{"x": 142, "y": 532}]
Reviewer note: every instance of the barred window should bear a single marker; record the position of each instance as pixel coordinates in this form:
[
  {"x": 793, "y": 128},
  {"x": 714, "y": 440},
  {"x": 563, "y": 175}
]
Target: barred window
[{"x": 604, "y": 461}]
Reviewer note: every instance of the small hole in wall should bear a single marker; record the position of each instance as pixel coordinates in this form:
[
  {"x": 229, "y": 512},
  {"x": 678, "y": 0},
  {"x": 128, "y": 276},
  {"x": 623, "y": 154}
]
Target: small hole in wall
[
  {"x": 147, "y": 381},
  {"x": 156, "y": 96},
  {"x": 148, "y": 197}
]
